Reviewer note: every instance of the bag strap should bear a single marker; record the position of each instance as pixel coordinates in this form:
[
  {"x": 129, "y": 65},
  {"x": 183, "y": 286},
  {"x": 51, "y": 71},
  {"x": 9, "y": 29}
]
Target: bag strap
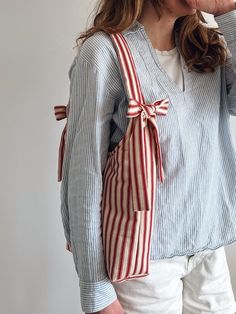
[
  {"x": 128, "y": 68},
  {"x": 144, "y": 145}
]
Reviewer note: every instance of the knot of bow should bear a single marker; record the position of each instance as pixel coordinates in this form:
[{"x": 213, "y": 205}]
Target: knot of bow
[
  {"x": 61, "y": 111},
  {"x": 149, "y": 110}
]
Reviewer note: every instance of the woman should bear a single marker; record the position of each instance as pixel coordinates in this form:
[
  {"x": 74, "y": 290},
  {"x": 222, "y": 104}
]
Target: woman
[{"x": 176, "y": 56}]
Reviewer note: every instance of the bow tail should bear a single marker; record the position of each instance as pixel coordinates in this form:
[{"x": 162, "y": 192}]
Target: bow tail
[
  {"x": 61, "y": 154},
  {"x": 160, "y": 170},
  {"x": 138, "y": 166}
]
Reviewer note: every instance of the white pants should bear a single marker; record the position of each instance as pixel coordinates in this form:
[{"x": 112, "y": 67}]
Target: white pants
[{"x": 182, "y": 284}]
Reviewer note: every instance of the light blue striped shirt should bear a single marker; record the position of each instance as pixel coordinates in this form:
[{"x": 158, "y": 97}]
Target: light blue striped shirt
[{"x": 196, "y": 204}]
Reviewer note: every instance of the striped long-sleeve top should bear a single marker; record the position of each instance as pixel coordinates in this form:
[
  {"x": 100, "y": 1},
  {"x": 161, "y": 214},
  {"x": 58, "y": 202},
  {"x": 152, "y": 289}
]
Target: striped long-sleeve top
[{"x": 196, "y": 204}]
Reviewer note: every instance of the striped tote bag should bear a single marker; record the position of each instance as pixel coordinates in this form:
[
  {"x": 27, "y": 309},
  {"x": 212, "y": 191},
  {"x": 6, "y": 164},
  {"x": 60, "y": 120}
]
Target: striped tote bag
[{"x": 130, "y": 180}]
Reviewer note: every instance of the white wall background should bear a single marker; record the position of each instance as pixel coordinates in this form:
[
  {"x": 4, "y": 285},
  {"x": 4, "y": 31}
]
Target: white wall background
[{"x": 37, "y": 274}]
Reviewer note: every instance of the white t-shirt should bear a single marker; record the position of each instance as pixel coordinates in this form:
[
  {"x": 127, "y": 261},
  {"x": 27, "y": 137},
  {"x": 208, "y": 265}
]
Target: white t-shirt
[{"x": 170, "y": 60}]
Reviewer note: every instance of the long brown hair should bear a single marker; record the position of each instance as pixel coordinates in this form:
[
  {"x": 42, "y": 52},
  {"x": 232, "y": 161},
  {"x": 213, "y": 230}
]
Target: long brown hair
[{"x": 202, "y": 47}]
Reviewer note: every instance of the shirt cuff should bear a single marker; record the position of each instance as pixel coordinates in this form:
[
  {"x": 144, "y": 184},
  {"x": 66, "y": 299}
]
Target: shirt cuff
[
  {"x": 95, "y": 296},
  {"x": 227, "y": 24}
]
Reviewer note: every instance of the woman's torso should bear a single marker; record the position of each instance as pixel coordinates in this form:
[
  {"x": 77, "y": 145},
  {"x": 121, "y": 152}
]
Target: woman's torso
[{"x": 195, "y": 204}]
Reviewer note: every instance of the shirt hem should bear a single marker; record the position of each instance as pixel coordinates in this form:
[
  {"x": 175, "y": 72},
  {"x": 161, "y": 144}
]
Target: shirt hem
[{"x": 192, "y": 252}]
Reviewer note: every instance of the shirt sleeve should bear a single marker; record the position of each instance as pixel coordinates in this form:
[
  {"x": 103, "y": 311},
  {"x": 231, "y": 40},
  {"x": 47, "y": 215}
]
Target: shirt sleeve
[
  {"x": 88, "y": 134},
  {"x": 227, "y": 25}
]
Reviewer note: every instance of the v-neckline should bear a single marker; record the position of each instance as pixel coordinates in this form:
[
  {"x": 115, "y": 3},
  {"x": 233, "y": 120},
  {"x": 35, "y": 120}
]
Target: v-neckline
[{"x": 169, "y": 83}]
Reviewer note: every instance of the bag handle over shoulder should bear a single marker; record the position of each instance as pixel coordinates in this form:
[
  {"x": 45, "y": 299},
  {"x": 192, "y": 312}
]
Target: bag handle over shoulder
[{"x": 145, "y": 128}]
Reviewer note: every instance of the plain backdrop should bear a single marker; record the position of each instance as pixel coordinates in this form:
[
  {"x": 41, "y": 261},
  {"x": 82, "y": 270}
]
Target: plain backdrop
[{"x": 37, "y": 274}]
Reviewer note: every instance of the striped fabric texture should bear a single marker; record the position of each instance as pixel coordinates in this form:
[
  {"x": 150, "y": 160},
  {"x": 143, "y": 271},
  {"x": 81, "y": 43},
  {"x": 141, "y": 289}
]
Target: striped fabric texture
[
  {"x": 195, "y": 205},
  {"x": 130, "y": 179}
]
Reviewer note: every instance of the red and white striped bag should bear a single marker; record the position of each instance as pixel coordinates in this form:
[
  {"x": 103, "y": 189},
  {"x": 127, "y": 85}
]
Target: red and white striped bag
[{"x": 129, "y": 180}]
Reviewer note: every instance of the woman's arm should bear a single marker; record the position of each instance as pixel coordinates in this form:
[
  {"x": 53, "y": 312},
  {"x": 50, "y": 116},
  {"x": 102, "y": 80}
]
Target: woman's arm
[
  {"x": 91, "y": 109},
  {"x": 227, "y": 24}
]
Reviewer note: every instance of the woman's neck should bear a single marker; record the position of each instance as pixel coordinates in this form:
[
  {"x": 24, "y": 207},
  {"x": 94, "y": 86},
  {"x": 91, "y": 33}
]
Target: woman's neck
[{"x": 160, "y": 32}]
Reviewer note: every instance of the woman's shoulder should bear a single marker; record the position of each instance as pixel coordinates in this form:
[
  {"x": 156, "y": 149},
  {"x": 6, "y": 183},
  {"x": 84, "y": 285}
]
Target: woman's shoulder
[
  {"x": 97, "y": 44},
  {"x": 98, "y": 51},
  {"x": 98, "y": 54}
]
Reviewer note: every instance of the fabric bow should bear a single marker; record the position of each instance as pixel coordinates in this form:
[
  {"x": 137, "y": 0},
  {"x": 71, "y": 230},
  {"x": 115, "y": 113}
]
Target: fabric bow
[{"x": 140, "y": 149}]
